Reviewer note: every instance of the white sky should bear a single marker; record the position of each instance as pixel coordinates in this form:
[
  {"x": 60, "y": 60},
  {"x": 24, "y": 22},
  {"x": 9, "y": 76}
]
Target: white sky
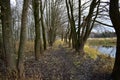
[{"x": 13, "y": 2}]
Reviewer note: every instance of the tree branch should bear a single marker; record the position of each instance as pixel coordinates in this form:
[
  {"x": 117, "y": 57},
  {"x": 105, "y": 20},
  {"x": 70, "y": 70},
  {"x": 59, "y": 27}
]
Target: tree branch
[{"x": 104, "y": 23}]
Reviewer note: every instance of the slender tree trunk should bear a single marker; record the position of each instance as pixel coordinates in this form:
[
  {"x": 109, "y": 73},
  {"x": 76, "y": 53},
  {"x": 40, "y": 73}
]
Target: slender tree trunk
[
  {"x": 20, "y": 62},
  {"x": 51, "y": 35},
  {"x": 43, "y": 27},
  {"x": 73, "y": 27},
  {"x": 38, "y": 41},
  {"x": 115, "y": 18},
  {"x": 79, "y": 26},
  {"x": 70, "y": 38},
  {"x": 73, "y": 34},
  {"x": 8, "y": 44},
  {"x": 62, "y": 36}
]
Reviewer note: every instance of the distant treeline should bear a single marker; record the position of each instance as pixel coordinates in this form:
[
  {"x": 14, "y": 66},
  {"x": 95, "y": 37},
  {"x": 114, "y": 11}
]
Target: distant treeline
[{"x": 103, "y": 35}]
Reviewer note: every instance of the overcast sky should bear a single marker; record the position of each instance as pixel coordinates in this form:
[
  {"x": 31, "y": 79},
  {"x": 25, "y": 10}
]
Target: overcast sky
[{"x": 13, "y": 2}]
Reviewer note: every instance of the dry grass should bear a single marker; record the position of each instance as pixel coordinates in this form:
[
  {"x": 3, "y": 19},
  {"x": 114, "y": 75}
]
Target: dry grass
[
  {"x": 62, "y": 60},
  {"x": 29, "y": 46},
  {"x": 102, "y": 41},
  {"x": 93, "y": 53}
]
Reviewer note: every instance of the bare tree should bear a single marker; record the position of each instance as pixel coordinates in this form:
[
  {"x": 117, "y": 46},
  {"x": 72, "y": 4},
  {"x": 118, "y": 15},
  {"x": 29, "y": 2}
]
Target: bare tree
[
  {"x": 79, "y": 35},
  {"x": 52, "y": 19}
]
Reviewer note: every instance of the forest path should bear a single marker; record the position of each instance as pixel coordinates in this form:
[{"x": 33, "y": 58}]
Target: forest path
[{"x": 64, "y": 64}]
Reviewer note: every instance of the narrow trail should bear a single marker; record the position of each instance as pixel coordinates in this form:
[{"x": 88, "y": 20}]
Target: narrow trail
[
  {"x": 63, "y": 64},
  {"x": 78, "y": 66}
]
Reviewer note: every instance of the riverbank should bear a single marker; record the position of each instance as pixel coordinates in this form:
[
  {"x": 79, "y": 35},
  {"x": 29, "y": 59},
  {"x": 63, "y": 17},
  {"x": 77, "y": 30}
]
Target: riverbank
[
  {"x": 63, "y": 63},
  {"x": 106, "y": 46},
  {"x": 101, "y": 41}
]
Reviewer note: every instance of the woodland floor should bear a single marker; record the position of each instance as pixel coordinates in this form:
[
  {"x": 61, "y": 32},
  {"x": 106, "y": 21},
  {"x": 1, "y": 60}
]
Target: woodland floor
[{"x": 63, "y": 63}]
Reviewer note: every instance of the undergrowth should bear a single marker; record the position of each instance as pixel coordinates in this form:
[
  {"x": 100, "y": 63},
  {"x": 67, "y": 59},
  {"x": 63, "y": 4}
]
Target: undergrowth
[{"x": 93, "y": 53}]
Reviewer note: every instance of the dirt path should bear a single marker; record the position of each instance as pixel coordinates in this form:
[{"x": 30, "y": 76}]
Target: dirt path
[{"x": 62, "y": 64}]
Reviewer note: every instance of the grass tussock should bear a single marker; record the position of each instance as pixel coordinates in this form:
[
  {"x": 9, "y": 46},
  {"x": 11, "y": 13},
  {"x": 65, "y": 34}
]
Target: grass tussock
[
  {"x": 93, "y": 53},
  {"x": 58, "y": 43}
]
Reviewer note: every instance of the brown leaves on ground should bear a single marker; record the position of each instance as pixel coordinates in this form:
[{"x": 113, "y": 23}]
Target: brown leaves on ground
[{"x": 65, "y": 64}]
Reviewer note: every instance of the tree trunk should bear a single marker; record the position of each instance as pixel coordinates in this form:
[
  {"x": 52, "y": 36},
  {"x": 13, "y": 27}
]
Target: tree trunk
[
  {"x": 116, "y": 69},
  {"x": 62, "y": 36},
  {"x": 8, "y": 40},
  {"x": 20, "y": 62},
  {"x": 51, "y": 36},
  {"x": 115, "y": 18},
  {"x": 43, "y": 27},
  {"x": 79, "y": 26},
  {"x": 38, "y": 41}
]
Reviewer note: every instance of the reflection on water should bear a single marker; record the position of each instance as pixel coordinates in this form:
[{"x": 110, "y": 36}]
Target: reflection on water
[{"x": 109, "y": 50}]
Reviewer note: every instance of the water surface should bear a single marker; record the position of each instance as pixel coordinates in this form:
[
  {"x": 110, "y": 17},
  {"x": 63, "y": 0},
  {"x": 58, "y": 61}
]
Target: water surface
[{"x": 108, "y": 50}]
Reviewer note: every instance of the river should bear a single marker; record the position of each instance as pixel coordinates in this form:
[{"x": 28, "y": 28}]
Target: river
[{"x": 108, "y": 50}]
